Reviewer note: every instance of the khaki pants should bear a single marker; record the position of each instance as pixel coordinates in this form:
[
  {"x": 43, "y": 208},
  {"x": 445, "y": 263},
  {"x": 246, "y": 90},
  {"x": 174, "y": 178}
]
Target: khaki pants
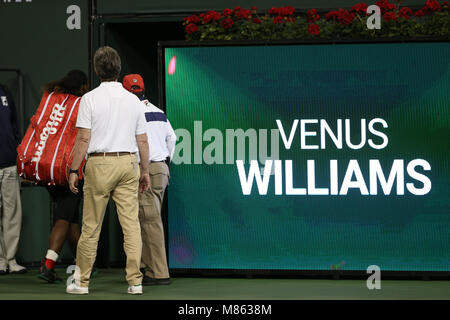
[
  {"x": 117, "y": 176},
  {"x": 10, "y": 214},
  {"x": 153, "y": 247}
]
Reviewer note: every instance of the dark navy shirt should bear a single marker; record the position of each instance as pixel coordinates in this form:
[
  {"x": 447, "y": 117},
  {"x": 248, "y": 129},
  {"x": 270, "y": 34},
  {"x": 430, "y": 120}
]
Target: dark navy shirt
[{"x": 9, "y": 129}]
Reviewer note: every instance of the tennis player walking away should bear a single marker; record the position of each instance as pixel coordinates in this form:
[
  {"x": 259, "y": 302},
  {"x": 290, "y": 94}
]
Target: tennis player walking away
[
  {"x": 111, "y": 129},
  {"x": 66, "y": 205}
]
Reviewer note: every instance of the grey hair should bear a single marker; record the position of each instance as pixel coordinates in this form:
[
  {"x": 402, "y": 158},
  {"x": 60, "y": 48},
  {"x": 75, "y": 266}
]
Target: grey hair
[{"x": 107, "y": 64}]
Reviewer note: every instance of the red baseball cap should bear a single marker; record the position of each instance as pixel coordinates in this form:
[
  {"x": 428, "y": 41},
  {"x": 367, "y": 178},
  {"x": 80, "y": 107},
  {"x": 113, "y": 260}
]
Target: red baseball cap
[{"x": 133, "y": 83}]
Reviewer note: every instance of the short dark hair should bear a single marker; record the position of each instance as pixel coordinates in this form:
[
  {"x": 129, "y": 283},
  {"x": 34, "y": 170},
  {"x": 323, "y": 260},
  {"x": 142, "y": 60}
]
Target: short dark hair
[{"x": 107, "y": 64}]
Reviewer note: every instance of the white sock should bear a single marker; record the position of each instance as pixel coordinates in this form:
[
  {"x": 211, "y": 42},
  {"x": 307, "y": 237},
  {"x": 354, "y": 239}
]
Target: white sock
[{"x": 51, "y": 255}]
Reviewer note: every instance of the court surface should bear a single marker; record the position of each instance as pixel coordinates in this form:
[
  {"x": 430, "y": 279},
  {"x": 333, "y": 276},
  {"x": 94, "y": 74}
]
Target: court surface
[{"x": 110, "y": 284}]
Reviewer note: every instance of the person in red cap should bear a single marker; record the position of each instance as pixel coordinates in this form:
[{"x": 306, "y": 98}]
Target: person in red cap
[
  {"x": 135, "y": 84},
  {"x": 161, "y": 139}
]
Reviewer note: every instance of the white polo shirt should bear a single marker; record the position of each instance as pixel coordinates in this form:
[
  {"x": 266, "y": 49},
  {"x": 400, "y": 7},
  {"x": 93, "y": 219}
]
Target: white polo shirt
[
  {"x": 161, "y": 137},
  {"x": 114, "y": 116}
]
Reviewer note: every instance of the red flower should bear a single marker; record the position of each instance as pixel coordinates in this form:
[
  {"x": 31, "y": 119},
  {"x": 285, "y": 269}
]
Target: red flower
[
  {"x": 216, "y": 15},
  {"x": 360, "y": 7},
  {"x": 290, "y": 19},
  {"x": 313, "y": 16},
  {"x": 342, "y": 16},
  {"x": 227, "y": 23},
  {"x": 238, "y": 8},
  {"x": 283, "y": 11},
  {"x": 314, "y": 29},
  {"x": 227, "y": 12},
  {"x": 274, "y": 11},
  {"x": 390, "y": 16},
  {"x": 191, "y": 27},
  {"x": 256, "y": 20},
  {"x": 347, "y": 18},
  {"x": 386, "y": 6},
  {"x": 445, "y": 4},
  {"x": 278, "y": 20},
  {"x": 192, "y": 19},
  {"x": 244, "y": 14},
  {"x": 433, "y": 5},
  {"x": 419, "y": 13},
  {"x": 254, "y": 8},
  {"x": 331, "y": 15},
  {"x": 405, "y": 12},
  {"x": 286, "y": 11},
  {"x": 210, "y": 16}
]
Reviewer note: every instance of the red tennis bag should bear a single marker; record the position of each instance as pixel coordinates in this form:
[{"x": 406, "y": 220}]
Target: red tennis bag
[{"x": 46, "y": 151}]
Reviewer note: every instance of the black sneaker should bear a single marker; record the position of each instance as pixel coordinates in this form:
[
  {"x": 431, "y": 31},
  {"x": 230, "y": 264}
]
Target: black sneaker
[
  {"x": 47, "y": 274},
  {"x": 147, "y": 281}
]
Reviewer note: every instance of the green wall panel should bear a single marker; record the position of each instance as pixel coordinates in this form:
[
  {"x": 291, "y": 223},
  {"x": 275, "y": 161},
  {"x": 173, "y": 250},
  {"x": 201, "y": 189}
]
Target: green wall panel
[{"x": 36, "y": 40}]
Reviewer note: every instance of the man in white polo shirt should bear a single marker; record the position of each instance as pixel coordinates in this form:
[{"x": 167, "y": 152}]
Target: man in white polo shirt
[
  {"x": 162, "y": 140},
  {"x": 111, "y": 128}
]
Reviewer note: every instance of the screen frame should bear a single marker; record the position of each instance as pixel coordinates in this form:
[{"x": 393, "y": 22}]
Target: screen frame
[{"x": 266, "y": 273}]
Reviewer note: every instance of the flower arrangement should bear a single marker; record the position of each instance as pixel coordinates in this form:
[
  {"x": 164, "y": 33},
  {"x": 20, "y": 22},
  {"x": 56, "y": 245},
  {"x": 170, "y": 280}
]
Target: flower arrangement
[{"x": 283, "y": 23}]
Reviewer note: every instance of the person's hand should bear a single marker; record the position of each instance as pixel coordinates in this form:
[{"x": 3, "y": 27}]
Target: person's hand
[
  {"x": 144, "y": 182},
  {"x": 73, "y": 182}
]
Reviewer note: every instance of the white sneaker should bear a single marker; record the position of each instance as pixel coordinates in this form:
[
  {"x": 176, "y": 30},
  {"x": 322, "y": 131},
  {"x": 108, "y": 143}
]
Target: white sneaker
[
  {"x": 135, "y": 289},
  {"x": 14, "y": 267},
  {"x": 74, "y": 289}
]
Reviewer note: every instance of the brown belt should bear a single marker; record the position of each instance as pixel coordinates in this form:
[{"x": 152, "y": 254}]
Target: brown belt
[{"x": 110, "y": 154}]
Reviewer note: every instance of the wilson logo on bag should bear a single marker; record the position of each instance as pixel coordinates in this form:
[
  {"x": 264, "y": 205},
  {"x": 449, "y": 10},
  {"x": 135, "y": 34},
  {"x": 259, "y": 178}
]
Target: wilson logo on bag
[{"x": 46, "y": 151}]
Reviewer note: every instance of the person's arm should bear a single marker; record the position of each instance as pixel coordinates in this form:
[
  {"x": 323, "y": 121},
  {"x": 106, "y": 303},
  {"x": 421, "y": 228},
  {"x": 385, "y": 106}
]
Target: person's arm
[
  {"x": 79, "y": 152},
  {"x": 171, "y": 139},
  {"x": 143, "y": 147}
]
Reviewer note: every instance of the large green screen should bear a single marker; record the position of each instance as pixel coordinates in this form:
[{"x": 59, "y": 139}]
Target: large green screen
[{"x": 310, "y": 157}]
